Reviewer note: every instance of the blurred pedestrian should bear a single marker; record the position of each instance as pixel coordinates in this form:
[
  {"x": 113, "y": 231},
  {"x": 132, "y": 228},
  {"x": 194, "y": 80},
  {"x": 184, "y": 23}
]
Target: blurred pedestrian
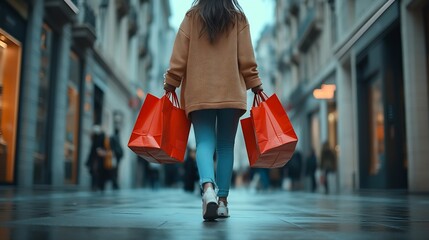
[
  {"x": 264, "y": 174},
  {"x": 154, "y": 175},
  {"x": 295, "y": 168},
  {"x": 141, "y": 171},
  {"x": 190, "y": 176},
  {"x": 106, "y": 170},
  {"x": 214, "y": 63},
  {"x": 328, "y": 164},
  {"x": 172, "y": 174},
  {"x": 94, "y": 160},
  {"x": 118, "y": 152},
  {"x": 101, "y": 164},
  {"x": 311, "y": 167}
]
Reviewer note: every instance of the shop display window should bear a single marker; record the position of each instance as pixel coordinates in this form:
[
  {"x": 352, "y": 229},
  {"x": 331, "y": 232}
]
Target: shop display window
[
  {"x": 377, "y": 151},
  {"x": 72, "y": 122},
  {"x": 10, "y": 64}
]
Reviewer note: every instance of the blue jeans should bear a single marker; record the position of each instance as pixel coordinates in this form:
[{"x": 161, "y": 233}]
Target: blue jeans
[{"x": 220, "y": 136}]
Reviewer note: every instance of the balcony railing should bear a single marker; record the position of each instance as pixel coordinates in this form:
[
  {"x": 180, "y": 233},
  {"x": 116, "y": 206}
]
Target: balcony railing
[
  {"x": 297, "y": 96},
  {"x": 62, "y": 11},
  {"x": 293, "y": 7},
  {"x": 288, "y": 57},
  {"x": 122, "y": 7},
  {"x": 293, "y": 52},
  {"x": 84, "y": 30},
  {"x": 143, "y": 45},
  {"x": 132, "y": 22},
  {"x": 89, "y": 18},
  {"x": 309, "y": 29}
]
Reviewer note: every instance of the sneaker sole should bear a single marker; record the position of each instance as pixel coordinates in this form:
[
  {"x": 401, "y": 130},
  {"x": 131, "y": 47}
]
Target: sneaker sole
[
  {"x": 222, "y": 214},
  {"x": 211, "y": 211}
]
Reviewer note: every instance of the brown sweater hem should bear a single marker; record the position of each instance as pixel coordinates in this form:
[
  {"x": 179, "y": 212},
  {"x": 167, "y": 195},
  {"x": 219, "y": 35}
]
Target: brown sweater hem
[{"x": 222, "y": 105}]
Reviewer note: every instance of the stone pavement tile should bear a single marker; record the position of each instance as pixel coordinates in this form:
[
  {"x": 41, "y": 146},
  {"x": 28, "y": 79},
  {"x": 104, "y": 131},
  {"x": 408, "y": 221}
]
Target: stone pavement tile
[{"x": 173, "y": 214}]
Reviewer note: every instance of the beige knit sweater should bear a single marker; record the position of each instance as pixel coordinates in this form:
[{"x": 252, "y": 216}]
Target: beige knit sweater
[{"x": 212, "y": 76}]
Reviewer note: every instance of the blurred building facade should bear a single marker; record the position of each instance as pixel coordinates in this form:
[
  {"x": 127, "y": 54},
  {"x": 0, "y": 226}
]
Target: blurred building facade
[
  {"x": 353, "y": 73},
  {"x": 65, "y": 66}
]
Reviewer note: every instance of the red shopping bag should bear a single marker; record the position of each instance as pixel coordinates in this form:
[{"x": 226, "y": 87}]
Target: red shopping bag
[
  {"x": 268, "y": 133},
  {"x": 161, "y": 131}
]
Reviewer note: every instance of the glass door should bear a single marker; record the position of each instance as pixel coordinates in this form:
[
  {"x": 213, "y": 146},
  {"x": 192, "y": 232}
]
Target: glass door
[
  {"x": 381, "y": 114},
  {"x": 371, "y": 134},
  {"x": 376, "y": 128}
]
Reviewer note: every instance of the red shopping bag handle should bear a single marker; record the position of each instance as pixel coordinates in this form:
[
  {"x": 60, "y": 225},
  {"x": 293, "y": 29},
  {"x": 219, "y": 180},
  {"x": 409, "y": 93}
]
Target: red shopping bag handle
[
  {"x": 259, "y": 98},
  {"x": 173, "y": 98}
]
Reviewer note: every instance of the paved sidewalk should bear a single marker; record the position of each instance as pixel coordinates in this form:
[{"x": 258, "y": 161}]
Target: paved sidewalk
[{"x": 173, "y": 214}]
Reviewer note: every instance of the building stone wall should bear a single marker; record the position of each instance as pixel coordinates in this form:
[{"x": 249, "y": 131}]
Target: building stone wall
[
  {"x": 120, "y": 51},
  {"x": 346, "y": 28}
]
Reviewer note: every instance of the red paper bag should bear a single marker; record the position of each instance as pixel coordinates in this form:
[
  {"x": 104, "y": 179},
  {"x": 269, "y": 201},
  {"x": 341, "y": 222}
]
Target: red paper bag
[
  {"x": 161, "y": 131},
  {"x": 268, "y": 133}
]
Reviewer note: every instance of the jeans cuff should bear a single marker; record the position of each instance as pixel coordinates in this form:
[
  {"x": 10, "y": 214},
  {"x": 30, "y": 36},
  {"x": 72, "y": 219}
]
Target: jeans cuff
[
  {"x": 207, "y": 180},
  {"x": 222, "y": 193}
]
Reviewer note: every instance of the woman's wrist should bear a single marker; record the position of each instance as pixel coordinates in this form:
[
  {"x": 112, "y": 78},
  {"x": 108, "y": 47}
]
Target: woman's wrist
[
  {"x": 257, "y": 89},
  {"x": 169, "y": 87}
]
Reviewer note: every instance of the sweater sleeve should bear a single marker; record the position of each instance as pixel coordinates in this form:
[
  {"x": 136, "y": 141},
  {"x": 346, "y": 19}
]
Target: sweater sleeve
[
  {"x": 246, "y": 59},
  {"x": 179, "y": 56}
]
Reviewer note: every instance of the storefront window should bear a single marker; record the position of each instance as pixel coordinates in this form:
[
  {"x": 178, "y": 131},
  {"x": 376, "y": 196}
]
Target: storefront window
[
  {"x": 41, "y": 164},
  {"x": 332, "y": 125},
  {"x": 98, "y": 105},
  {"x": 72, "y": 121},
  {"x": 426, "y": 19},
  {"x": 315, "y": 133},
  {"x": 377, "y": 150},
  {"x": 10, "y": 59}
]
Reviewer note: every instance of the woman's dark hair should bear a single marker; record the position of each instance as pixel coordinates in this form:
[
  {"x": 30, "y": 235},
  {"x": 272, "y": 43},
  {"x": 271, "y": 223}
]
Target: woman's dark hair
[{"x": 218, "y": 16}]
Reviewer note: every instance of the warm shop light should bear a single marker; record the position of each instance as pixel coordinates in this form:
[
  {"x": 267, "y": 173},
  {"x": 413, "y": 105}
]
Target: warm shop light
[
  {"x": 329, "y": 87},
  {"x": 327, "y": 91},
  {"x": 3, "y": 44},
  {"x": 331, "y": 117}
]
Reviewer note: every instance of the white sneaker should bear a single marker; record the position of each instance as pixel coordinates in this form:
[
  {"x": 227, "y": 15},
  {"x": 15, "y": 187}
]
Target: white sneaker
[
  {"x": 222, "y": 210},
  {"x": 210, "y": 204}
]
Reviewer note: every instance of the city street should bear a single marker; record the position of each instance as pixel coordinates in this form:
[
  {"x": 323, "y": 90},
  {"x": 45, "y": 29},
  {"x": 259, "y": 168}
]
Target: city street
[
  {"x": 77, "y": 83},
  {"x": 174, "y": 214}
]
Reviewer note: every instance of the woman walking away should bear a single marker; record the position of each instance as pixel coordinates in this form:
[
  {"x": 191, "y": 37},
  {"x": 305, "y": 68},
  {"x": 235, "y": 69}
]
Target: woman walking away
[{"x": 213, "y": 63}]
